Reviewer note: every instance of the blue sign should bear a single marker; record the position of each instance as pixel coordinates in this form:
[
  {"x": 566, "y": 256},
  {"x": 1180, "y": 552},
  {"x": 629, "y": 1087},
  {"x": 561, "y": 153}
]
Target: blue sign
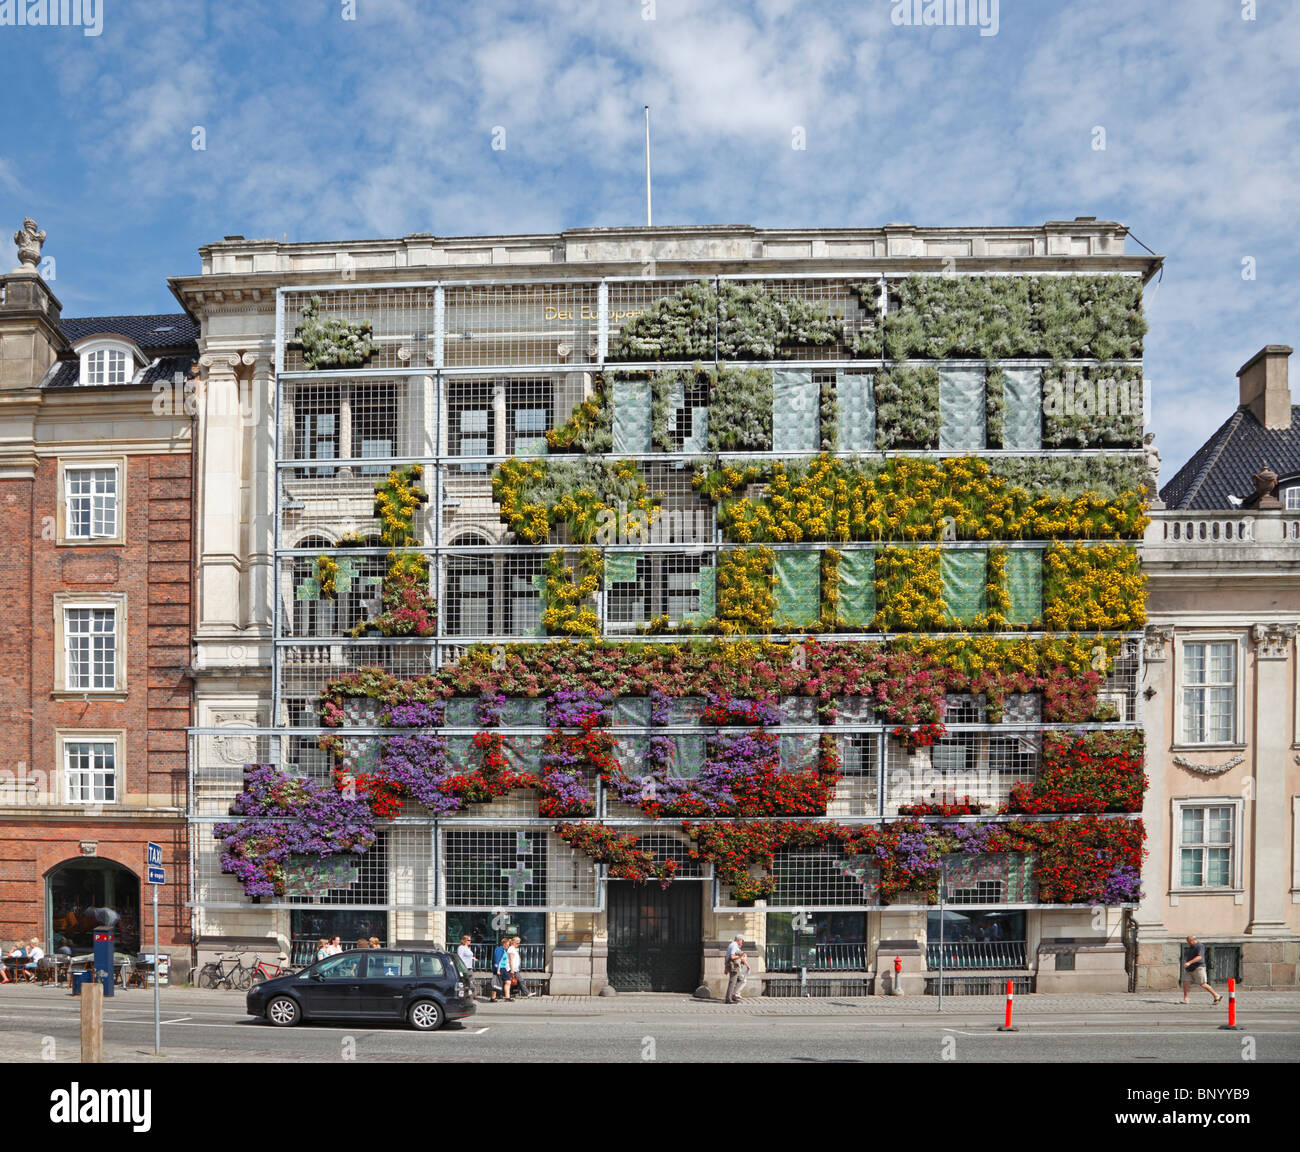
[
  {"x": 156, "y": 875},
  {"x": 155, "y": 854}
]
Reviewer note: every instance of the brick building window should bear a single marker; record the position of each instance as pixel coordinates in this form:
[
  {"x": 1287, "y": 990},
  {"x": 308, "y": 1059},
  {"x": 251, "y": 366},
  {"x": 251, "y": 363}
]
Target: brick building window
[
  {"x": 91, "y": 495},
  {"x": 89, "y": 644},
  {"x": 90, "y": 771},
  {"x": 90, "y": 639}
]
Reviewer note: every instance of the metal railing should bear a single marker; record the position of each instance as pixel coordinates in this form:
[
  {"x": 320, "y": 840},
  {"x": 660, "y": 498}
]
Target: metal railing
[
  {"x": 851, "y": 956},
  {"x": 978, "y": 954},
  {"x": 532, "y": 957}
]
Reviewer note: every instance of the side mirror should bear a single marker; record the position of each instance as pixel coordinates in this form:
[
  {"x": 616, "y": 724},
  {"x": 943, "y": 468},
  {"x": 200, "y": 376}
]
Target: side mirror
[{"x": 317, "y": 976}]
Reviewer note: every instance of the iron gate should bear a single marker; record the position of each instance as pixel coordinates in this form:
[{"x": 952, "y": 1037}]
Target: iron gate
[{"x": 655, "y": 940}]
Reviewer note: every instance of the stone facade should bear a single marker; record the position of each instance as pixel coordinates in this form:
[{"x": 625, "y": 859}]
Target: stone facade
[{"x": 1224, "y": 584}]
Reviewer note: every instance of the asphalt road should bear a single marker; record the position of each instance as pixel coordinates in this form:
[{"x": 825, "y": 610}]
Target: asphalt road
[{"x": 44, "y": 1024}]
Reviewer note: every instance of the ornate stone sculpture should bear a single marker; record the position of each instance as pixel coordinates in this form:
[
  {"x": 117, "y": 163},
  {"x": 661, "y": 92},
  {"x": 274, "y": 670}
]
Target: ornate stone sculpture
[
  {"x": 1152, "y": 482},
  {"x": 1154, "y": 640},
  {"x": 1272, "y": 640},
  {"x": 29, "y": 239},
  {"x": 1265, "y": 481}
]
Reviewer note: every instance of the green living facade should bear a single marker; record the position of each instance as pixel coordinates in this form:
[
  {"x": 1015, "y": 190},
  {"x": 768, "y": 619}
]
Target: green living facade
[{"x": 628, "y": 606}]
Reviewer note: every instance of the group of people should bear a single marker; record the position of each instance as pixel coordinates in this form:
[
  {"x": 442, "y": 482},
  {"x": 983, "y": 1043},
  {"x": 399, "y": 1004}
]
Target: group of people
[
  {"x": 333, "y": 945},
  {"x": 31, "y": 955},
  {"x": 507, "y": 969}
]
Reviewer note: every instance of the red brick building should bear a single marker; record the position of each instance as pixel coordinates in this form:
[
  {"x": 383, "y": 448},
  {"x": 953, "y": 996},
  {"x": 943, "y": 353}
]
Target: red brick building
[{"x": 96, "y": 567}]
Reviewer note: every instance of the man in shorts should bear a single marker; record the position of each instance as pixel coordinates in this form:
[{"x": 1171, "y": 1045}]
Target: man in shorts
[{"x": 1194, "y": 970}]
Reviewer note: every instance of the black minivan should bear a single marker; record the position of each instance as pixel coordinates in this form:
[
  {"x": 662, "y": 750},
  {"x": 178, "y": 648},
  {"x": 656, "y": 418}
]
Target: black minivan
[{"x": 426, "y": 989}]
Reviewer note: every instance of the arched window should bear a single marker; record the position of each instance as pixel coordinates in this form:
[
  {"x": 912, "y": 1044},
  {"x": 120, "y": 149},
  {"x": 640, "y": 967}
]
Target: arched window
[
  {"x": 105, "y": 362},
  {"x": 84, "y": 894},
  {"x": 469, "y": 600},
  {"x": 314, "y": 615}
]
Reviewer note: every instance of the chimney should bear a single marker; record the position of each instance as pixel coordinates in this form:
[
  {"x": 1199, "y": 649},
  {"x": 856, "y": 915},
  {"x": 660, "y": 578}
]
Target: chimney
[{"x": 1264, "y": 388}]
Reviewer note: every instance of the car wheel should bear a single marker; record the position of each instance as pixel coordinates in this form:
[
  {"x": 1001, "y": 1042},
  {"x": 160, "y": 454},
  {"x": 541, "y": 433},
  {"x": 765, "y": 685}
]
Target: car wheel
[
  {"x": 283, "y": 1012},
  {"x": 426, "y": 1015}
]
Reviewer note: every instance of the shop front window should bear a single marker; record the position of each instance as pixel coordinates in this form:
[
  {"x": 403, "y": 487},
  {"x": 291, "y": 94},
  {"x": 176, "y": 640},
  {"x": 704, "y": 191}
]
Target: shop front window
[
  {"x": 825, "y": 941},
  {"x": 976, "y": 938},
  {"x": 83, "y": 895}
]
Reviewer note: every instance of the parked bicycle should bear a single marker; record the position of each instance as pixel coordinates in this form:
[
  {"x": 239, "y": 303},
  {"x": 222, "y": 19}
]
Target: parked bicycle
[
  {"x": 214, "y": 974},
  {"x": 263, "y": 970}
]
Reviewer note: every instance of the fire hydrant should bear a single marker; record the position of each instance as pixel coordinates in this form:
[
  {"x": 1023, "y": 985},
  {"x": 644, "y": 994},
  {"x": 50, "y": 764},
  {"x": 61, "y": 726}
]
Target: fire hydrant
[{"x": 898, "y": 971}]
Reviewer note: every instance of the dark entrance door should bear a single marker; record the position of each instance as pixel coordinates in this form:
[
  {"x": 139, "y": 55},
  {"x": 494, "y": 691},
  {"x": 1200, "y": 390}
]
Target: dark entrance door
[{"x": 654, "y": 936}]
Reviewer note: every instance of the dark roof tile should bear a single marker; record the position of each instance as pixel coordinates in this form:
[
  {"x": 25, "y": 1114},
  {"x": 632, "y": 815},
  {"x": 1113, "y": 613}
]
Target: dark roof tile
[
  {"x": 1224, "y": 464},
  {"x": 174, "y": 330}
]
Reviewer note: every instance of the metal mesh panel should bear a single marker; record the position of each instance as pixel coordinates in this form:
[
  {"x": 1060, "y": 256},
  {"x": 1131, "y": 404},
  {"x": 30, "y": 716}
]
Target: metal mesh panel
[
  {"x": 1120, "y": 690},
  {"x": 401, "y": 319},
  {"x": 858, "y": 792},
  {"x": 494, "y": 868},
  {"x": 305, "y": 668},
  {"x": 669, "y": 587},
  {"x": 979, "y": 765},
  {"x": 813, "y": 880},
  {"x": 490, "y": 324}
]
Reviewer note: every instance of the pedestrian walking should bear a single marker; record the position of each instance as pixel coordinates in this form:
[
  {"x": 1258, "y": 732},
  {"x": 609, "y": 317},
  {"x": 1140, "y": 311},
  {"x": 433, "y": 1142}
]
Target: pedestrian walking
[
  {"x": 516, "y": 967},
  {"x": 501, "y": 970},
  {"x": 466, "y": 952},
  {"x": 1194, "y": 970},
  {"x": 737, "y": 969}
]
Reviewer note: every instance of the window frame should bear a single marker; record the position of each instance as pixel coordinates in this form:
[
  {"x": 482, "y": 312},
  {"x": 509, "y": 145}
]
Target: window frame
[
  {"x": 64, "y": 738},
  {"x": 63, "y": 536},
  {"x": 1235, "y": 883},
  {"x": 105, "y": 346},
  {"x": 1181, "y": 740},
  {"x": 63, "y": 603}
]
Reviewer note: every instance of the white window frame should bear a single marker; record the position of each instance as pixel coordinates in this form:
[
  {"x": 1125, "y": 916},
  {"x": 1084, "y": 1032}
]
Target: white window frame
[
  {"x": 117, "y": 464},
  {"x": 96, "y": 358},
  {"x": 63, "y": 603},
  {"x": 65, "y": 740},
  {"x": 1181, "y": 740},
  {"x": 1234, "y": 885},
  {"x": 1291, "y": 497}
]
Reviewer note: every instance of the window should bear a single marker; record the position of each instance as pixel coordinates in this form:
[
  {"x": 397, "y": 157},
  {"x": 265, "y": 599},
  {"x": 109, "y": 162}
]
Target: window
[
  {"x": 89, "y": 644},
  {"x": 90, "y": 771},
  {"x": 316, "y": 428},
  {"x": 345, "y": 967},
  {"x": 91, "y": 503},
  {"x": 90, "y": 640},
  {"x": 817, "y": 940},
  {"x": 1291, "y": 498},
  {"x": 106, "y": 366},
  {"x": 90, "y": 500},
  {"x": 1209, "y": 691},
  {"x": 1206, "y": 839},
  {"x": 374, "y": 426},
  {"x": 528, "y": 416},
  {"x": 495, "y": 869}
]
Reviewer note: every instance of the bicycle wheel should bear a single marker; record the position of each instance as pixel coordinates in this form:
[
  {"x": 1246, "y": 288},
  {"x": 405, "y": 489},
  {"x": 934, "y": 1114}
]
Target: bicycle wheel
[
  {"x": 209, "y": 975},
  {"x": 242, "y": 979},
  {"x": 258, "y": 977}
]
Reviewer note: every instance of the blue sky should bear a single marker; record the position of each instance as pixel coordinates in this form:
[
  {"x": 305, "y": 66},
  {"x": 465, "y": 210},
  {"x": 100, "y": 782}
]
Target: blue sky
[{"x": 320, "y": 127}]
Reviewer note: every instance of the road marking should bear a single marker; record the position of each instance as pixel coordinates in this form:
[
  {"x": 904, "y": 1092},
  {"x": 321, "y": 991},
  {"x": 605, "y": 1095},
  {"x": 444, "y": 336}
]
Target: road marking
[{"x": 178, "y": 1020}]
